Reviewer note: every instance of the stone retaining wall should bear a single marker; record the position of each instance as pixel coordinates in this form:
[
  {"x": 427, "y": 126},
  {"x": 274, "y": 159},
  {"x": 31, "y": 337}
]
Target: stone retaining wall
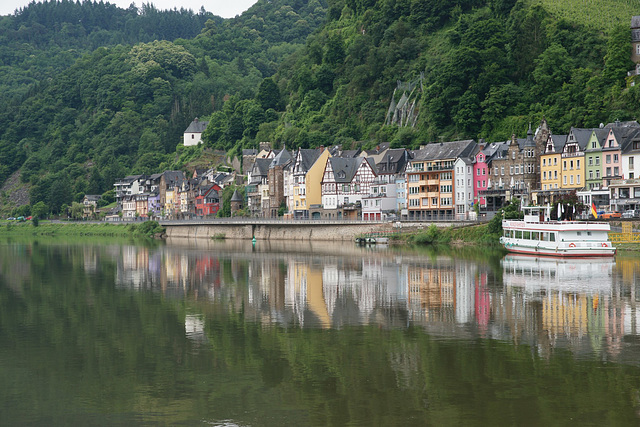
[{"x": 288, "y": 231}]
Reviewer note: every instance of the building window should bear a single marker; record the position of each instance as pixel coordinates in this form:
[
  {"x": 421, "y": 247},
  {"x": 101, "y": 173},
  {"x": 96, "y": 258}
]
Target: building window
[
  {"x": 555, "y": 174},
  {"x": 590, "y": 174},
  {"x": 544, "y": 162},
  {"x": 630, "y": 162},
  {"x": 608, "y": 171},
  {"x": 555, "y": 161},
  {"x": 544, "y": 175},
  {"x": 590, "y": 161},
  {"x": 597, "y": 173},
  {"x": 564, "y": 165},
  {"x": 616, "y": 171},
  {"x": 571, "y": 180},
  {"x": 615, "y": 158},
  {"x": 578, "y": 178},
  {"x": 608, "y": 158},
  {"x": 638, "y": 49},
  {"x": 597, "y": 160},
  {"x": 565, "y": 179},
  {"x": 501, "y": 170}
]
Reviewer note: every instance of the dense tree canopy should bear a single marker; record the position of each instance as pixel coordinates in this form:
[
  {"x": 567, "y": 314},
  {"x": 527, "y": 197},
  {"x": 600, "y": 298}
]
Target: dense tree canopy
[{"x": 94, "y": 92}]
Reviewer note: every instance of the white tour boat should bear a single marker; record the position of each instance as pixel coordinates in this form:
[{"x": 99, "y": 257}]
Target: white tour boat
[{"x": 538, "y": 235}]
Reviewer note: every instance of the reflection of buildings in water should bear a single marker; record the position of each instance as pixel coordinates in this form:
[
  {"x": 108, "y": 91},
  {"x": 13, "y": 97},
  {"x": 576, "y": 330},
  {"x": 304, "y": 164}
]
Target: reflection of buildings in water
[
  {"x": 566, "y": 300},
  {"x": 544, "y": 302},
  {"x": 432, "y": 291}
]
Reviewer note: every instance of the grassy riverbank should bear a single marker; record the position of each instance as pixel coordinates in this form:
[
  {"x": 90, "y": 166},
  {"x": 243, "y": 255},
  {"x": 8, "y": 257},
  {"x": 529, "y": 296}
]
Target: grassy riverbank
[
  {"x": 433, "y": 235},
  {"x": 47, "y": 228}
]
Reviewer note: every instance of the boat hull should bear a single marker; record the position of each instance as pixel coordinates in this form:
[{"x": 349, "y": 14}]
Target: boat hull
[{"x": 560, "y": 251}]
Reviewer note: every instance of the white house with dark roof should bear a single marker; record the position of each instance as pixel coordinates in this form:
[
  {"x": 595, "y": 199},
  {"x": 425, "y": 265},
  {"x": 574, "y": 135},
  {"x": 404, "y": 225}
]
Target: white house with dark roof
[
  {"x": 193, "y": 134},
  {"x": 346, "y": 181}
]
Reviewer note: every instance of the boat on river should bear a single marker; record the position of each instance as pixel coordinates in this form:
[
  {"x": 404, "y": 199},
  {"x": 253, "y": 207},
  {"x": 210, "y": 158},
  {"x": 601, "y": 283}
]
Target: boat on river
[{"x": 537, "y": 234}]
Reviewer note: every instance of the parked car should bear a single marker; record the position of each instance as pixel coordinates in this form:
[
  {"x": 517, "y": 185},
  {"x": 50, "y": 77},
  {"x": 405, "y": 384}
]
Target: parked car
[
  {"x": 610, "y": 215},
  {"x": 628, "y": 213}
]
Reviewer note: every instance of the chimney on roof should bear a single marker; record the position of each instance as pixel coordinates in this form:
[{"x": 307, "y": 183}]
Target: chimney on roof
[
  {"x": 196, "y": 120},
  {"x": 617, "y": 123}
]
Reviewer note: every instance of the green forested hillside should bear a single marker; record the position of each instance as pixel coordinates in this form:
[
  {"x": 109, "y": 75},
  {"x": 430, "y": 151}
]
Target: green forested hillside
[
  {"x": 308, "y": 73},
  {"x": 122, "y": 109},
  {"x": 43, "y": 39}
]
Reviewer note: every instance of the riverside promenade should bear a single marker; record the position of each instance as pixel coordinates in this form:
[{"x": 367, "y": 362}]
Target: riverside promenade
[{"x": 278, "y": 229}]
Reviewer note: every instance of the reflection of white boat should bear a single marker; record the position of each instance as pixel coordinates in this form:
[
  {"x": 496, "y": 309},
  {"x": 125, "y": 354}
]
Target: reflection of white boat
[
  {"x": 537, "y": 235},
  {"x": 590, "y": 276}
]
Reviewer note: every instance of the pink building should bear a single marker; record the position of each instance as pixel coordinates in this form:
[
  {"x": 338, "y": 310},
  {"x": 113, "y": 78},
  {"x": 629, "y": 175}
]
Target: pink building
[{"x": 480, "y": 177}]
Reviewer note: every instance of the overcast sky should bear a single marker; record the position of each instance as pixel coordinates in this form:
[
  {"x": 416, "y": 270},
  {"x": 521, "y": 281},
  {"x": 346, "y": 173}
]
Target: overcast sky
[{"x": 224, "y": 8}]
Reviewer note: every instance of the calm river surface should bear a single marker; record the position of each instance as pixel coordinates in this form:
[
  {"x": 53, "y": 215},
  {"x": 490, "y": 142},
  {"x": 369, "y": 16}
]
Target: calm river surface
[{"x": 230, "y": 334}]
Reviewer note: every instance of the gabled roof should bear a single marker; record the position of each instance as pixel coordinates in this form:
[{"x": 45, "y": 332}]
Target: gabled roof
[
  {"x": 250, "y": 152},
  {"x": 632, "y": 138},
  {"x": 236, "y": 197},
  {"x": 601, "y": 136},
  {"x": 344, "y": 169},
  {"x": 259, "y": 170},
  {"x": 558, "y": 142},
  {"x": 624, "y": 135},
  {"x": 173, "y": 177},
  {"x": 308, "y": 157},
  {"x": 581, "y": 136},
  {"x": 493, "y": 149},
  {"x": 446, "y": 150},
  {"x": 394, "y": 161},
  {"x": 281, "y": 159},
  {"x": 196, "y": 126}
]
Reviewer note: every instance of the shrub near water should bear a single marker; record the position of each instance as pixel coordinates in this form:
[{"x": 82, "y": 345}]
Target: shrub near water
[{"x": 147, "y": 228}]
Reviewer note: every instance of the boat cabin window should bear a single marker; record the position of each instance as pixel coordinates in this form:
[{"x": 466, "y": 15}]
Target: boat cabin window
[
  {"x": 579, "y": 233},
  {"x": 535, "y": 235},
  {"x": 552, "y": 237},
  {"x": 526, "y": 235},
  {"x": 588, "y": 233},
  {"x": 518, "y": 234}
]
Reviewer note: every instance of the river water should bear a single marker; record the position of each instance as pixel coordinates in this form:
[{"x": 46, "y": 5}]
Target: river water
[{"x": 271, "y": 334}]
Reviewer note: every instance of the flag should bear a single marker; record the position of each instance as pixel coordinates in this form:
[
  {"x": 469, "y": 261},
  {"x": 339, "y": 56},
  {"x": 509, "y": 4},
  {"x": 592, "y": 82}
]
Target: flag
[{"x": 594, "y": 212}]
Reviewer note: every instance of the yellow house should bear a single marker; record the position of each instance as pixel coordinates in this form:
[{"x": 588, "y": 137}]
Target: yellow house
[
  {"x": 168, "y": 204},
  {"x": 308, "y": 170},
  {"x": 551, "y": 163},
  {"x": 573, "y": 158}
]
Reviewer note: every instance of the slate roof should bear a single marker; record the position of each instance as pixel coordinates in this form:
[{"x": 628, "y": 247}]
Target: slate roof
[
  {"x": 633, "y": 137},
  {"x": 529, "y": 142},
  {"x": 236, "y": 197},
  {"x": 446, "y": 150},
  {"x": 344, "y": 169},
  {"x": 394, "y": 161},
  {"x": 196, "y": 126},
  {"x": 249, "y": 152},
  {"x": 493, "y": 148},
  {"x": 624, "y": 135},
  {"x": 308, "y": 157},
  {"x": 619, "y": 124},
  {"x": 601, "y": 136},
  {"x": 581, "y": 136},
  {"x": 280, "y": 159},
  {"x": 558, "y": 142},
  {"x": 635, "y": 21}
]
